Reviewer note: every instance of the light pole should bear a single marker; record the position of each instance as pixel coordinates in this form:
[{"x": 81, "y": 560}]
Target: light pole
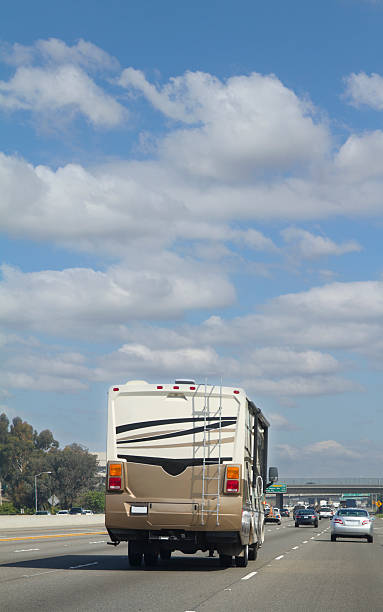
[{"x": 36, "y": 475}]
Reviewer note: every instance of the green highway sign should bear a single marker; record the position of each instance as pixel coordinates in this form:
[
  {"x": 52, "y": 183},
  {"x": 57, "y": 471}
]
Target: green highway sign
[{"x": 277, "y": 488}]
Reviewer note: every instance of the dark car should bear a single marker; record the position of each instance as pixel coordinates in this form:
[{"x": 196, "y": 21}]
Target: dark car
[
  {"x": 285, "y": 512},
  {"x": 296, "y": 508},
  {"x": 306, "y": 517},
  {"x": 76, "y": 510}
]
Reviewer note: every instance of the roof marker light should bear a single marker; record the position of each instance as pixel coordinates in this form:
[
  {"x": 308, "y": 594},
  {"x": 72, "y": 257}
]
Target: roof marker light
[
  {"x": 116, "y": 389},
  {"x": 192, "y": 388},
  {"x": 176, "y": 387},
  {"x": 236, "y": 392},
  {"x": 159, "y": 387}
]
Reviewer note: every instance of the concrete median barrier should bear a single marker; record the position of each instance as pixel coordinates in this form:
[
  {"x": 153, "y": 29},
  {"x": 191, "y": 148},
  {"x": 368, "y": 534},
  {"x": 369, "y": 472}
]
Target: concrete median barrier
[{"x": 21, "y": 521}]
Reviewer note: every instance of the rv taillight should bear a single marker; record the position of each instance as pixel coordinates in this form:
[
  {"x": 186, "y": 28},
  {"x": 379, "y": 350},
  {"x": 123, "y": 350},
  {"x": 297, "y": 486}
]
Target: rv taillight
[
  {"x": 232, "y": 471},
  {"x": 232, "y": 479},
  {"x": 115, "y": 469},
  {"x": 114, "y": 480},
  {"x": 114, "y": 483},
  {"x": 232, "y": 486}
]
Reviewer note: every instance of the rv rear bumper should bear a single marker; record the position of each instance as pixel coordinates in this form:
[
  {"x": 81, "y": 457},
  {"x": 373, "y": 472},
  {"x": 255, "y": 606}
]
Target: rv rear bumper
[{"x": 228, "y": 542}]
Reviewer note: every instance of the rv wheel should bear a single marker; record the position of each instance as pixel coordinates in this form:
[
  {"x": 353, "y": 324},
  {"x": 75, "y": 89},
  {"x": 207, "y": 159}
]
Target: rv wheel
[
  {"x": 165, "y": 555},
  {"x": 134, "y": 554},
  {"x": 253, "y": 552},
  {"x": 244, "y": 558},
  {"x": 225, "y": 560},
  {"x": 150, "y": 558}
]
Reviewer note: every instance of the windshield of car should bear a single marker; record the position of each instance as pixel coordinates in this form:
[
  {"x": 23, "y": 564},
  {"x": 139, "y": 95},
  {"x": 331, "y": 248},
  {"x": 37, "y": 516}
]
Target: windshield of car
[
  {"x": 325, "y": 509},
  {"x": 304, "y": 511},
  {"x": 352, "y": 512}
]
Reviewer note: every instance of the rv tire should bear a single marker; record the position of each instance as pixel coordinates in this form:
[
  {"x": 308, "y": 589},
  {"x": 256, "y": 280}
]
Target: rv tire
[
  {"x": 243, "y": 560},
  {"x": 134, "y": 554},
  {"x": 253, "y": 552},
  {"x": 165, "y": 555},
  {"x": 225, "y": 560},
  {"x": 150, "y": 558}
]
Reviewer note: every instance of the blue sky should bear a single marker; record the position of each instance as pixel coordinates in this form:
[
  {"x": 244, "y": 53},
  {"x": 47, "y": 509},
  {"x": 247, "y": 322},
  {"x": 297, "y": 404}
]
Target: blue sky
[{"x": 196, "y": 190}]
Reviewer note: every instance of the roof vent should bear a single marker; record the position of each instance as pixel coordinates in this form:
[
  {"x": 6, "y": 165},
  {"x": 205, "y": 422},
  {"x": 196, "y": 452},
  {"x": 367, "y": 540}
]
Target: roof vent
[{"x": 184, "y": 381}]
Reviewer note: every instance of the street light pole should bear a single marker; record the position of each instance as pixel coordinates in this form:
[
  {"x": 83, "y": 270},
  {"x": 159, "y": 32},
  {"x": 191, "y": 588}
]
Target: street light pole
[{"x": 36, "y": 475}]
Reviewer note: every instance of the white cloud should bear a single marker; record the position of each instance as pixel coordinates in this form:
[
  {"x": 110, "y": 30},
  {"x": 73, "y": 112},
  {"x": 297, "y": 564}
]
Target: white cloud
[
  {"x": 245, "y": 125},
  {"x": 309, "y": 246},
  {"x": 361, "y": 157},
  {"x": 365, "y": 89},
  {"x": 331, "y": 448},
  {"x": 279, "y": 422},
  {"x": 56, "y": 51},
  {"x": 63, "y": 89},
  {"x": 87, "y": 302},
  {"x": 300, "y": 386},
  {"x": 37, "y": 368}
]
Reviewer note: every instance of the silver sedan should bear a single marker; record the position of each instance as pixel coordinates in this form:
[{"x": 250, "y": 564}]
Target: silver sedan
[{"x": 352, "y": 523}]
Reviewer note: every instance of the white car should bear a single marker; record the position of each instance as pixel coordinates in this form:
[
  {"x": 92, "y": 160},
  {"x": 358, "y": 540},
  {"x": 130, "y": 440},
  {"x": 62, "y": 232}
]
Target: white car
[
  {"x": 326, "y": 512},
  {"x": 87, "y": 511}
]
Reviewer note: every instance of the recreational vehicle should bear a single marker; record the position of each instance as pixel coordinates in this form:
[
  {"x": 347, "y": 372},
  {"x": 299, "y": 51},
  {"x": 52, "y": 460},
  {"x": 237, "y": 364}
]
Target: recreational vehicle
[{"x": 186, "y": 471}]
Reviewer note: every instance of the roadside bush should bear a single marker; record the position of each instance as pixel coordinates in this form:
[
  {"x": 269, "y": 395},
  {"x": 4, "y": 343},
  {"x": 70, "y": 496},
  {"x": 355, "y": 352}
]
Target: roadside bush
[{"x": 8, "y": 508}]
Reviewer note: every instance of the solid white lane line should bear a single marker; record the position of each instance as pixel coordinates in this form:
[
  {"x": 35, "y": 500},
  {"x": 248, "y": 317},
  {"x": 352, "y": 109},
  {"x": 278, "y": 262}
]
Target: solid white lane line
[
  {"x": 280, "y": 557},
  {"x": 248, "y": 576},
  {"x": 84, "y": 565},
  {"x": 26, "y": 550}
]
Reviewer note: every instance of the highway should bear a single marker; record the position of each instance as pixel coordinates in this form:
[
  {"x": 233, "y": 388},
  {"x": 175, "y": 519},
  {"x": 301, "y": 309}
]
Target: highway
[{"x": 73, "y": 569}]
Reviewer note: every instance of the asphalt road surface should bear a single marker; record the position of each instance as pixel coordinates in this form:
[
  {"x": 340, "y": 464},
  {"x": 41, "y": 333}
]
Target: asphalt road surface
[{"x": 300, "y": 570}]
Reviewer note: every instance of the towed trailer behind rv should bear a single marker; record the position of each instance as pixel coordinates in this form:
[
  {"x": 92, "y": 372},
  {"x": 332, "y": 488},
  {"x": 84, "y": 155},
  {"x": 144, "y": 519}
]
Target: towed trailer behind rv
[{"x": 186, "y": 470}]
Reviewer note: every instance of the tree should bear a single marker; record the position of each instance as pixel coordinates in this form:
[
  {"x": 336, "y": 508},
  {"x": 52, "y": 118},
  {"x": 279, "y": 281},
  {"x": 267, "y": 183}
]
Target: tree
[
  {"x": 73, "y": 472},
  {"x": 94, "y": 500},
  {"x": 45, "y": 440}
]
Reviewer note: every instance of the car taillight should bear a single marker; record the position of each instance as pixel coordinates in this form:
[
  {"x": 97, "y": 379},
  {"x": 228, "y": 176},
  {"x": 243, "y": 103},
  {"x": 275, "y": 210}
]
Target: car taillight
[
  {"x": 114, "y": 483},
  {"x": 366, "y": 522},
  {"x": 338, "y": 521},
  {"x": 232, "y": 479}
]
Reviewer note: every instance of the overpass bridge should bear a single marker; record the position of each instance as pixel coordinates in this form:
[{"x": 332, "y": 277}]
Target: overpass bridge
[
  {"x": 332, "y": 486},
  {"x": 328, "y": 487}
]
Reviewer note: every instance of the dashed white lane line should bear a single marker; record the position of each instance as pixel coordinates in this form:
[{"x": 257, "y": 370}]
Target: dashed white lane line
[
  {"x": 84, "y": 565},
  {"x": 280, "y": 557},
  {"x": 248, "y": 576},
  {"x": 26, "y": 549},
  {"x": 41, "y": 573},
  {"x": 98, "y": 542},
  {"x": 295, "y": 547},
  {"x": 305, "y": 542}
]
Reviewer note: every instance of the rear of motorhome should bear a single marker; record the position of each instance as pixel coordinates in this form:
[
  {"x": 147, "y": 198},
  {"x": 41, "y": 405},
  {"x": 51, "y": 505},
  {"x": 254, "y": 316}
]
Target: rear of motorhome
[{"x": 186, "y": 471}]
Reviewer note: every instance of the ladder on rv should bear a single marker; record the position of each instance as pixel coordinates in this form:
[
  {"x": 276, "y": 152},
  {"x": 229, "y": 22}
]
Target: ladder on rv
[{"x": 212, "y": 426}]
